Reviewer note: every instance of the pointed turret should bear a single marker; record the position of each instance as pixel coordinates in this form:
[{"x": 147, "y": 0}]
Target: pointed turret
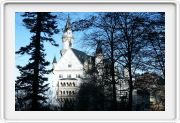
[
  {"x": 67, "y": 38},
  {"x": 54, "y": 60},
  {"x": 99, "y": 49},
  {"x": 68, "y": 24},
  {"x": 99, "y": 59}
]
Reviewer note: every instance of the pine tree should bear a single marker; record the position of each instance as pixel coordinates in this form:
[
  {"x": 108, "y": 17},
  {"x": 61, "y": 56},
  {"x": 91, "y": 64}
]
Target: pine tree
[{"x": 32, "y": 81}]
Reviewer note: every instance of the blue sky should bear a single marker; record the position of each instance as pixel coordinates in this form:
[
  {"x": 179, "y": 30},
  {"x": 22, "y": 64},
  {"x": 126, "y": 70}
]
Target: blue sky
[{"x": 23, "y": 36}]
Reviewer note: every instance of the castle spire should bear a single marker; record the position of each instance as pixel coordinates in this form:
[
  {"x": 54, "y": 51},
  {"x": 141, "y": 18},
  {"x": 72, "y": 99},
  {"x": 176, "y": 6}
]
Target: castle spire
[
  {"x": 99, "y": 58},
  {"x": 99, "y": 48},
  {"x": 54, "y": 60},
  {"x": 67, "y": 37},
  {"x": 68, "y": 24}
]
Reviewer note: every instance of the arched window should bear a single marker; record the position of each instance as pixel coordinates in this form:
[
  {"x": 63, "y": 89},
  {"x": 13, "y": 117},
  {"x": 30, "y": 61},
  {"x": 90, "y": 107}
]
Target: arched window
[
  {"x": 64, "y": 84},
  {"x": 69, "y": 92},
  {"x": 77, "y": 75},
  {"x": 70, "y": 84},
  {"x": 60, "y": 76},
  {"x": 69, "y": 65},
  {"x": 73, "y": 84},
  {"x": 63, "y": 92},
  {"x": 69, "y": 76},
  {"x": 61, "y": 84}
]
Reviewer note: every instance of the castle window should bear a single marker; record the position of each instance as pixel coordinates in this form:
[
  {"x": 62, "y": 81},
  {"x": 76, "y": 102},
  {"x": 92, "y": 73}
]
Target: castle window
[
  {"x": 63, "y": 92},
  {"x": 60, "y": 76},
  {"x": 69, "y": 65},
  {"x": 69, "y": 92},
  {"x": 69, "y": 76},
  {"x": 73, "y": 84},
  {"x": 77, "y": 75}
]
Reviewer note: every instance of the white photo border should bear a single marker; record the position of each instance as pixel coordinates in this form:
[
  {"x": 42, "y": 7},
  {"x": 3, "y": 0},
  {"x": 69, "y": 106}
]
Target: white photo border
[{"x": 7, "y": 61}]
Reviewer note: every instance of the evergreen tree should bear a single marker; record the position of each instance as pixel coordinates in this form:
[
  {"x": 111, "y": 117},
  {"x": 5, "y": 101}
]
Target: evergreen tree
[{"x": 32, "y": 81}]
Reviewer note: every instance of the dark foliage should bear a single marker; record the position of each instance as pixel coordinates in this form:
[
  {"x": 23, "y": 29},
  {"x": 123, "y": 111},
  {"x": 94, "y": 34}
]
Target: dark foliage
[
  {"x": 90, "y": 97},
  {"x": 31, "y": 85},
  {"x": 135, "y": 41},
  {"x": 155, "y": 50}
]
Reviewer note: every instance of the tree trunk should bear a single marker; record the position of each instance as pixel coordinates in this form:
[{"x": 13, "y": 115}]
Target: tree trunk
[
  {"x": 130, "y": 89},
  {"x": 130, "y": 77},
  {"x": 112, "y": 73}
]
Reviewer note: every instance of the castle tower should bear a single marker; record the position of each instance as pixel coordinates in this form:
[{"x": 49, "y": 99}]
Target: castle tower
[
  {"x": 67, "y": 37},
  {"x": 54, "y": 62},
  {"x": 99, "y": 59},
  {"x": 99, "y": 54}
]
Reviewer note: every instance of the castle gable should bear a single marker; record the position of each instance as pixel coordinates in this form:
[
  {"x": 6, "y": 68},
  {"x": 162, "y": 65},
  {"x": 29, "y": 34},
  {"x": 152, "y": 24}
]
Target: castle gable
[{"x": 69, "y": 61}]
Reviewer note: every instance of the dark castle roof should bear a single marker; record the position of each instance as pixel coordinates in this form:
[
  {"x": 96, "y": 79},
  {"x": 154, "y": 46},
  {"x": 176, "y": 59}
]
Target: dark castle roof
[{"x": 82, "y": 56}]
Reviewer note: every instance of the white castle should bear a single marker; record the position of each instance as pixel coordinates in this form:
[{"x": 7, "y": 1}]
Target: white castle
[{"x": 71, "y": 67}]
